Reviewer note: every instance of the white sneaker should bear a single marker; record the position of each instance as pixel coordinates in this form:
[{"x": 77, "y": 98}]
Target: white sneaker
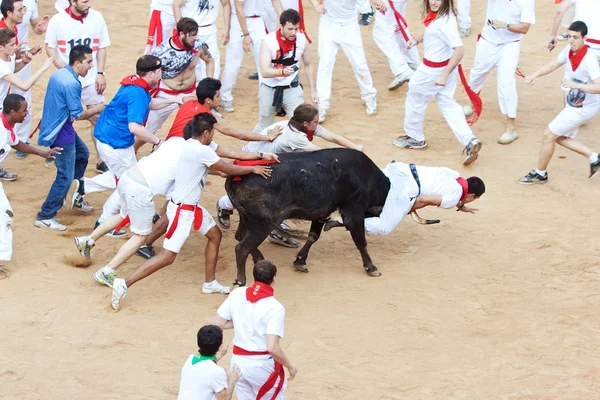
[
  {"x": 322, "y": 114},
  {"x": 371, "y": 106},
  {"x": 119, "y": 291},
  {"x": 464, "y": 32},
  {"x": 72, "y": 195},
  {"x": 50, "y": 223},
  {"x": 214, "y": 287},
  {"x": 401, "y": 79},
  {"x": 227, "y": 106},
  {"x": 84, "y": 248},
  {"x": 468, "y": 110},
  {"x": 104, "y": 278}
]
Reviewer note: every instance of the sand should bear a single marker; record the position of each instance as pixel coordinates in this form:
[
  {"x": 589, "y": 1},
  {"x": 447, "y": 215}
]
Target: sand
[{"x": 502, "y": 304}]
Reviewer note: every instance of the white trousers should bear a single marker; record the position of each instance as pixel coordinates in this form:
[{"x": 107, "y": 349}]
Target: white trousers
[
  {"x": 156, "y": 118},
  {"x": 24, "y": 130},
  {"x": 224, "y": 203},
  {"x": 213, "y": 47},
  {"x": 5, "y": 230},
  {"x": 270, "y": 17},
  {"x": 421, "y": 89},
  {"x": 255, "y": 373},
  {"x": 464, "y": 13},
  {"x": 504, "y": 58},
  {"x": 292, "y": 98},
  {"x": 331, "y": 37},
  {"x": 390, "y": 41},
  {"x": 234, "y": 52},
  {"x": 168, "y": 24},
  {"x": 363, "y": 6}
]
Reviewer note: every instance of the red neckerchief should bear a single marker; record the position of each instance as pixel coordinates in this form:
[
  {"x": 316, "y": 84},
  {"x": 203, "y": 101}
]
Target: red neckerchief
[
  {"x": 79, "y": 18},
  {"x": 9, "y": 127},
  {"x": 15, "y": 30},
  {"x": 180, "y": 45},
  {"x": 575, "y": 58},
  {"x": 284, "y": 44},
  {"x": 310, "y": 135},
  {"x": 430, "y": 17},
  {"x": 465, "y": 187},
  {"x": 258, "y": 291},
  {"x": 135, "y": 80}
]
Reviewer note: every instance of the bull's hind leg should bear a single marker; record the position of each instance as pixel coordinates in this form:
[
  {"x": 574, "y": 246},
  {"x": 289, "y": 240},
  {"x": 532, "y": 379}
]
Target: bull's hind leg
[
  {"x": 315, "y": 233},
  {"x": 255, "y": 234},
  {"x": 355, "y": 223}
]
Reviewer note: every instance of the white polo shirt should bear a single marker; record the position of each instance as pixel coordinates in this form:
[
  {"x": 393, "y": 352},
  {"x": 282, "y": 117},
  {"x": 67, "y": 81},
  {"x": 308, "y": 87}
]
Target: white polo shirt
[
  {"x": 6, "y": 68},
  {"x": 271, "y": 41},
  {"x": 340, "y": 11},
  {"x": 165, "y": 6},
  {"x": 289, "y": 141},
  {"x": 201, "y": 381},
  {"x": 252, "y": 322},
  {"x": 23, "y": 27},
  {"x": 159, "y": 168},
  {"x": 586, "y": 72},
  {"x": 192, "y": 169},
  {"x": 588, "y": 11},
  {"x": 440, "y": 38},
  {"x": 205, "y": 13},
  {"x": 8, "y": 138},
  {"x": 511, "y": 12}
]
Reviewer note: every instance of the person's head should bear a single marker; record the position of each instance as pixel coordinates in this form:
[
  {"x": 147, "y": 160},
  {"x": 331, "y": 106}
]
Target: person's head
[
  {"x": 13, "y": 10},
  {"x": 442, "y": 7},
  {"x": 305, "y": 118},
  {"x": 201, "y": 128},
  {"x": 210, "y": 338},
  {"x": 148, "y": 67},
  {"x": 15, "y": 108},
  {"x": 264, "y": 271},
  {"x": 81, "y": 59},
  {"x": 577, "y": 32},
  {"x": 187, "y": 30},
  {"x": 8, "y": 42},
  {"x": 208, "y": 93},
  {"x": 81, "y": 7},
  {"x": 476, "y": 189},
  {"x": 290, "y": 23}
]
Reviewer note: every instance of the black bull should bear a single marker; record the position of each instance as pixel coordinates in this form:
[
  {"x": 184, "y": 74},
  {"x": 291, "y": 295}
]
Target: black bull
[{"x": 308, "y": 186}]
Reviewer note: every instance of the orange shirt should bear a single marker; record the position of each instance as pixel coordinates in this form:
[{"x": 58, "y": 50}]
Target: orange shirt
[
  {"x": 186, "y": 112},
  {"x": 15, "y": 30}
]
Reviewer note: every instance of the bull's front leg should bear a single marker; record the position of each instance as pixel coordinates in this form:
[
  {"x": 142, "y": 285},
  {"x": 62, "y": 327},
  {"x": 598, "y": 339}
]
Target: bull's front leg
[
  {"x": 355, "y": 223},
  {"x": 315, "y": 233}
]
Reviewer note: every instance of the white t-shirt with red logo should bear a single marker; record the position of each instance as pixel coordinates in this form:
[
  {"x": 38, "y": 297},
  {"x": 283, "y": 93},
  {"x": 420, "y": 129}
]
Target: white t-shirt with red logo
[{"x": 587, "y": 71}]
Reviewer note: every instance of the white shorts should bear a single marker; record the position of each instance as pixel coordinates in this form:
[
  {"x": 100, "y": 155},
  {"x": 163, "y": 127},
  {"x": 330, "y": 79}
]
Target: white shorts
[
  {"x": 255, "y": 372},
  {"x": 568, "y": 121},
  {"x": 156, "y": 118},
  {"x": 90, "y": 97},
  {"x": 137, "y": 203},
  {"x": 117, "y": 160},
  {"x": 184, "y": 226}
]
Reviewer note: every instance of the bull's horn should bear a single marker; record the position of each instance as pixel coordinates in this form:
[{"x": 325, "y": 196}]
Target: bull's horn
[{"x": 423, "y": 221}]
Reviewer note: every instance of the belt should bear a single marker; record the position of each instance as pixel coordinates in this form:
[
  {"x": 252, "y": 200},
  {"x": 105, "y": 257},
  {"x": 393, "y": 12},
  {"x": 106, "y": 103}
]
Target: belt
[
  {"x": 432, "y": 64},
  {"x": 278, "y": 95},
  {"x": 186, "y": 207},
  {"x": 205, "y": 26},
  {"x": 172, "y": 92},
  {"x": 278, "y": 372},
  {"x": 413, "y": 171},
  {"x": 253, "y": 16},
  {"x": 595, "y": 41},
  {"x": 294, "y": 84}
]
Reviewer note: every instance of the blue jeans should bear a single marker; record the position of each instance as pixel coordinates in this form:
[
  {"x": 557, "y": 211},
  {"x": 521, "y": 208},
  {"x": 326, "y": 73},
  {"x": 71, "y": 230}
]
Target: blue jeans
[{"x": 70, "y": 164}]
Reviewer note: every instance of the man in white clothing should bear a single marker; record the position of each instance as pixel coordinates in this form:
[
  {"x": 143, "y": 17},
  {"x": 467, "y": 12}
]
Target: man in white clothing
[
  {"x": 161, "y": 25},
  {"x": 586, "y": 11},
  {"x": 464, "y": 17}
]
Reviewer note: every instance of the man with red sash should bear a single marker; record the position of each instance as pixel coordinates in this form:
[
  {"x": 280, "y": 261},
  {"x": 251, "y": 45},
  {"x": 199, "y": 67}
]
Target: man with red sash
[
  {"x": 198, "y": 153},
  {"x": 437, "y": 76},
  {"x": 161, "y": 23},
  {"x": 257, "y": 320},
  {"x": 582, "y": 73}
]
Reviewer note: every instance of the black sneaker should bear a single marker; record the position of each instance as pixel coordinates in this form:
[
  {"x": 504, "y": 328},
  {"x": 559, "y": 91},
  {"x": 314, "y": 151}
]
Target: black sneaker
[
  {"x": 366, "y": 18},
  {"x": 594, "y": 168},
  {"x": 101, "y": 167},
  {"x": 277, "y": 238},
  {"x": 223, "y": 217},
  {"x": 146, "y": 251},
  {"x": 533, "y": 177},
  {"x": 114, "y": 233},
  {"x": 253, "y": 76}
]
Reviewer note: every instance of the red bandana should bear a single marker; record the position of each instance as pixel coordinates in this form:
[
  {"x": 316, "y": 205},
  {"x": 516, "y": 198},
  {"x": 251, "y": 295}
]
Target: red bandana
[
  {"x": 465, "y": 187},
  {"x": 576, "y": 58},
  {"x": 310, "y": 135},
  {"x": 430, "y": 17},
  {"x": 134, "y": 80},
  {"x": 180, "y": 45},
  {"x": 285, "y": 45},
  {"x": 9, "y": 127},
  {"x": 79, "y": 18},
  {"x": 258, "y": 291}
]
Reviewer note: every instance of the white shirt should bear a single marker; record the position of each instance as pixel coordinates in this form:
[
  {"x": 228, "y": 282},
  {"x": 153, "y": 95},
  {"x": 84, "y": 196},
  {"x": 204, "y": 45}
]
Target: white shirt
[
  {"x": 588, "y": 11},
  {"x": 201, "y": 381},
  {"x": 251, "y": 7},
  {"x": 165, "y": 6},
  {"x": 6, "y": 68},
  {"x": 271, "y": 41},
  {"x": 440, "y": 38},
  {"x": 64, "y": 33},
  {"x": 340, "y": 11},
  {"x": 511, "y": 12},
  {"x": 61, "y": 5},
  {"x": 587, "y": 71},
  {"x": 194, "y": 161},
  {"x": 23, "y": 27},
  {"x": 7, "y": 139},
  {"x": 204, "y": 12},
  {"x": 252, "y": 322},
  {"x": 159, "y": 167},
  {"x": 289, "y": 141}
]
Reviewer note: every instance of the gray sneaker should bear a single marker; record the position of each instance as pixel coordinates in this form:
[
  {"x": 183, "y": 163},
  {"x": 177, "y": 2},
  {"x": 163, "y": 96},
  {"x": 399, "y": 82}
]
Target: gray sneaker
[
  {"x": 81, "y": 205},
  {"x": 105, "y": 279},
  {"x": 594, "y": 168},
  {"x": 84, "y": 248},
  {"x": 407, "y": 142},
  {"x": 227, "y": 106},
  {"x": 277, "y": 238},
  {"x": 471, "y": 151},
  {"x": 533, "y": 177}
]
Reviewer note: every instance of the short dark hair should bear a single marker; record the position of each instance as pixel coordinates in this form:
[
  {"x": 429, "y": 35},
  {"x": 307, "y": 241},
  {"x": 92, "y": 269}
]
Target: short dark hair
[
  {"x": 264, "y": 271},
  {"x": 8, "y": 5},
  {"x": 200, "y": 123},
  {"x": 579, "y": 26},
  {"x": 6, "y": 35},
  {"x": 12, "y": 102},
  {"x": 476, "y": 186},
  {"x": 210, "y": 338},
  {"x": 290, "y": 15},
  {"x": 207, "y": 89},
  {"x": 78, "y": 53},
  {"x": 187, "y": 25},
  {"x": 304, "y": 113},
  {"x": 145, "y": 63}
]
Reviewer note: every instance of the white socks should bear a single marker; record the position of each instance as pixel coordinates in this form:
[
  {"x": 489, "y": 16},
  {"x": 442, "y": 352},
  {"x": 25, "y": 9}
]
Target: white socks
[
  {"x": 542, "y": 173},
  {"x": 108, "y": 271},
  {"x": 593, "y": 158}
]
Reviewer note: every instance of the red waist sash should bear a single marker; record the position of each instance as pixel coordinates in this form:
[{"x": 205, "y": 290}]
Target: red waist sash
[
  {"x": 187, "y": 207},
  {"x": 432, "y": 64},
  {"x": 278, "y": 372}
]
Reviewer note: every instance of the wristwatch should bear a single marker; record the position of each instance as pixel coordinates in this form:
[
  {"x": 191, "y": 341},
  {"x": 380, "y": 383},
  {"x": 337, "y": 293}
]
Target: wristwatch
[
  {"x": 101, "y": 73},
  {"x": 507, "y": 26},
  {"x": 260, "y": 155}
]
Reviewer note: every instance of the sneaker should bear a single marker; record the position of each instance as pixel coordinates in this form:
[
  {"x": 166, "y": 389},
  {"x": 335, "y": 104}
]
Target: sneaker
[
  {"x": 508, "y": 136},
  {"x": 371, "y": 106},
  {"x": 101, "y": 167},
  {"x": 72, "y": 195},
  {"x": 85, "y": 249},
  {"x": 471, "y": 151},
  {"x": 119, "y": 291},
  {"x": 468, "y": 110},
  {"x": 594, "y": 168},
  {"x": 20, "y": 155},
  {"x": 7, "y": 176},
  {"x": 223, "y": 217},
  {"x": 401, "y": 79},
  {"x": 106, "y": 279},
  {"x": 253, "y": 76},
  {"x": 366, "y": 18},
  {"x": 227, "y": 106},
  {"x": 277, "y": 238},
  {"x": 50, "y": 223},
  {"x": 407, "y": 142},
  {"x": 322, "y": 114},
  {"x": 533, "y": 177},
  {"x": 214, "y": 287},
  {"x": 146, "y": 252},
  {"x": 82, "y": 205},
  {"x": 116, "y": 234},
  {"x": 464, "y": 32},
  {"x": 563, "y": 36}
]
